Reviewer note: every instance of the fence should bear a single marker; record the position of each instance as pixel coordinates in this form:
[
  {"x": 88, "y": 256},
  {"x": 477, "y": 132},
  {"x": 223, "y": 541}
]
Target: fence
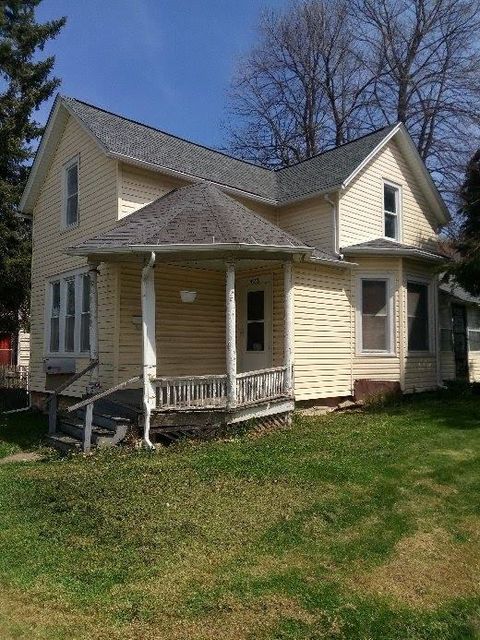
[{"x": 13, "y": 377}]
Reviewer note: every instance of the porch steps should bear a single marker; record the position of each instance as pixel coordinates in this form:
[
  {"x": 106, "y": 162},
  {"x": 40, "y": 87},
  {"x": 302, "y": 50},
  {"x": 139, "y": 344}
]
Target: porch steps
[{"x": 111, "y": 423}]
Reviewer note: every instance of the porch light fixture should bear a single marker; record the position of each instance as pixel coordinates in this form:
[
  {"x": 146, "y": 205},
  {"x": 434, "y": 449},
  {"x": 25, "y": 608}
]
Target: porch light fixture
[{"x": 188, "y": 296}]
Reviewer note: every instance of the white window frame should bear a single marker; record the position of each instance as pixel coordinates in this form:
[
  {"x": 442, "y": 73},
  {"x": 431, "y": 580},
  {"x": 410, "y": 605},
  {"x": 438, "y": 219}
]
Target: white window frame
[
  {"x": 68, "y": 165},
  {"x": 77, "y": 274},
  {"x": 391, "y": 350},
  {"x": 469, "y": 312},
  {"x": 399, "y": 207},
  {"x": 432, "y": 318}
]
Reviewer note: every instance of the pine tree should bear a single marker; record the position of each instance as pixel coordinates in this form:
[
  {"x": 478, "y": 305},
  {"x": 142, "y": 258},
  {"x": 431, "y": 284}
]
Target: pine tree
[
  {"x": 466, "y": 268},
  {"x": 26, "y": 82}
]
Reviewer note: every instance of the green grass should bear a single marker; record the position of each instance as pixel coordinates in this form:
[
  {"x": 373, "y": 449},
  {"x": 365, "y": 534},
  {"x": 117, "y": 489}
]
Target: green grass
[{"x": 353, "y": 526}]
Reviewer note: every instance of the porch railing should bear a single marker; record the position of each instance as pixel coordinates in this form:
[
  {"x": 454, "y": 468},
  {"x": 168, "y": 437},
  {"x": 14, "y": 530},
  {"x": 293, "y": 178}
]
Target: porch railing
[
  {"x": 264, "y": 384},
  {"x": 192, "y": 392},
  {"x": 210, "y": 392}
]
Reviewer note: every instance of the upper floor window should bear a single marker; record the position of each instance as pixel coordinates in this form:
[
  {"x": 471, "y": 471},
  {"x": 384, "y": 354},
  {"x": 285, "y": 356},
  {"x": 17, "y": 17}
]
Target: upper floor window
[
  {"x": 69, "y": 314},
  {"x": 70, "y": 205},
  {"x": 376, "y": 316},
  {"x": 418, "y": 316},
  {"x": 391, "y": 210}
]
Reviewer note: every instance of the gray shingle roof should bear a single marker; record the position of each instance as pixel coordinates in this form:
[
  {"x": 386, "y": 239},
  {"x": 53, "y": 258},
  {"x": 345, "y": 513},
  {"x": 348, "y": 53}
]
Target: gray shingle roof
[
  {"x": 455, "y": 290},
  {"x": 199, "y": 214},
  {"x": 328, "y": 169},
  {"x": 137, "y": 141},
  {"x": 384, "y": 246}
]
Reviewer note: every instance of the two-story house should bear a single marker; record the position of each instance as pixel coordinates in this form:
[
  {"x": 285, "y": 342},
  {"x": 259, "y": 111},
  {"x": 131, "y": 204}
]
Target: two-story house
[{"x": 200, "y": 287}]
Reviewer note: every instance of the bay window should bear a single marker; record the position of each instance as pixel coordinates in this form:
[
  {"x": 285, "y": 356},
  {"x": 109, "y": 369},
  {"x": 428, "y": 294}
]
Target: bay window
[
  {"x": 376, "y": 316},
  {"x": 418, "y": 316},
  {"x": 69, "y": 315}
]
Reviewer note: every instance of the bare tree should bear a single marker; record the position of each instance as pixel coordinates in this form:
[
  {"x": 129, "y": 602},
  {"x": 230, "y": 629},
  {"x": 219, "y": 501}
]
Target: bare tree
[
  {"x": 326, "y": 71},
  {"x": 426, "y": 57},
  {"x": 302, "y": 88}
]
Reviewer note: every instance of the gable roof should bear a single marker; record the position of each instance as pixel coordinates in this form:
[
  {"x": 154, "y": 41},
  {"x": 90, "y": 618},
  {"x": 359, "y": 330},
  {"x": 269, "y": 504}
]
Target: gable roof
[
  {"x": 195, "y": 218},
  {"x": 139, "y": 144}
]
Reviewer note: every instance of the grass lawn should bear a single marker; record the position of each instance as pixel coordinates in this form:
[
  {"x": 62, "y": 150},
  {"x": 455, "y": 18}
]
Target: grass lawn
[{"x": 358, "y": 526}]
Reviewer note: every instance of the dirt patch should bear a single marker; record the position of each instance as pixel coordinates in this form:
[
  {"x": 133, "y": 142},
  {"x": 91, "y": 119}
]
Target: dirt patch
[
  {"x": 23, "y": 456},
  {"x": 427, "y": 569}
]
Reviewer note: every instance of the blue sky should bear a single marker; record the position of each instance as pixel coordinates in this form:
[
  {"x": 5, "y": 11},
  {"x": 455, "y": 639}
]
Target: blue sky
[{"x": 164, "y": 62}]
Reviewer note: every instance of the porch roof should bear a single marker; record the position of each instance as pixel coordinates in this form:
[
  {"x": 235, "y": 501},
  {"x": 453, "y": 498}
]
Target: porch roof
[
  {"x": 195, "y": 218},
  {"x": 392, "y": 248}
]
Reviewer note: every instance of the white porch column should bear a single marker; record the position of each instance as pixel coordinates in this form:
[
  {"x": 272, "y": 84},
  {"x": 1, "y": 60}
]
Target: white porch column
[
  {"x": 288, "y": 327},
  {"x": 93, "y": 327},
  {"x": 231, "y": 338},
  {"x": 149, "y": 350}
]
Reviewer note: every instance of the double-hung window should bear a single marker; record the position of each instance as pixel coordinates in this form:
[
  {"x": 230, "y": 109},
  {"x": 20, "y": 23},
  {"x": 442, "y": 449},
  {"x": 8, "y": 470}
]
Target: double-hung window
[
  {"x": 375, "y": 316},
  {"x": 474, "y": 329},
  {"x": 418, "y": 311},
  {"x": 69, "y": 315},
  {"x": 391, "y": 211},
  {"x": 70, "y": 190}
]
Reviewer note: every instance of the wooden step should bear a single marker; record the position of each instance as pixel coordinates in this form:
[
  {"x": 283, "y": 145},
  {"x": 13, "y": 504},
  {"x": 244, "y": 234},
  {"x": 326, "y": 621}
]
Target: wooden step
[{"x": 64, "y": 442}]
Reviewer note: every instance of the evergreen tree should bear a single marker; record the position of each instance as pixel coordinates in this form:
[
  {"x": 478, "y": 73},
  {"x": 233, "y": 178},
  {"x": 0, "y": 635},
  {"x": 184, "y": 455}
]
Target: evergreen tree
[
  {"x": 25, "y": 82},
  {"x": 466, "y": 268}
]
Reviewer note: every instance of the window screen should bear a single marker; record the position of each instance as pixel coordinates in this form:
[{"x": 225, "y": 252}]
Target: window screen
[
  {"x": 418, "y": 322},
  {"x": 256, "y": 320},
  {"x": 375, "y": 319}
]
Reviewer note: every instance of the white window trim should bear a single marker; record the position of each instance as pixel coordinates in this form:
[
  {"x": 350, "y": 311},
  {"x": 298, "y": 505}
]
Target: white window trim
[
  {"x": 432, "y": 318},
  {"x": 389, "y": 278},
  {"x": 468, "y": 333},
  {"x": 62, "y": 277},
  {"x": 398, "y": 187},
  {"x": 73, "y": 161}
]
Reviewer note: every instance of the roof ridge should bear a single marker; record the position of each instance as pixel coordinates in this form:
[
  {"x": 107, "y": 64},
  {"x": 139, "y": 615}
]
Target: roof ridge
[
  {"x": 166, "y": 133},
  {"x": 340, "y": 146}
]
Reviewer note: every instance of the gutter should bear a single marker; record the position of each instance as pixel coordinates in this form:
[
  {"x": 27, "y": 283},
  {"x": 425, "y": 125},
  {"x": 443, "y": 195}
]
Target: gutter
[{"x": 334, "y": 206}]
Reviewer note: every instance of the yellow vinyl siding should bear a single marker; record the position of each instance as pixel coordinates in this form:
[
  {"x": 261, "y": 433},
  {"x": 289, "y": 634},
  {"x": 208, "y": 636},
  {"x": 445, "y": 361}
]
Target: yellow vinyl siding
[
  {"x": 97, "y": 213},
  {"x": 447, "y": 365},
  {"x": 311, "y": 221},
  {"x": 378, "y": 367},
  {"x": 474, "y": 366},
  {"x": 139, "y": 187},
  {"x": 361, "y": 206},
  {"x": 190, "y": 337},
  {"x": 23, "y": 349},
  {"x": 322, "y": 342}
]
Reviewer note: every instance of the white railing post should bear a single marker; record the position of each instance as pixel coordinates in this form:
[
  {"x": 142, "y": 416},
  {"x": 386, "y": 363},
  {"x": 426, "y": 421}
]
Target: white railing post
[
  {"x": 231, "y": 339},
  {"x": 288, "y": 328},
  {"x": 149, "y": 350}
]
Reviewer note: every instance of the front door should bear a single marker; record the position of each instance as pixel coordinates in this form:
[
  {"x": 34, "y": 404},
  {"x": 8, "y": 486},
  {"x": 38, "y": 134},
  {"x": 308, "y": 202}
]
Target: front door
[
  {"x": 255, "y": 324},
  {"x": 460, "y": 345}
]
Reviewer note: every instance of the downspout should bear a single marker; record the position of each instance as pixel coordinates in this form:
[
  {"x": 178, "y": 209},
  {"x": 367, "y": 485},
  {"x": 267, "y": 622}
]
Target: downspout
[
  {"x": 333, "y": 204},
  {"x": 438, "y": 360},
  {"x": 146, "y": 273}
]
